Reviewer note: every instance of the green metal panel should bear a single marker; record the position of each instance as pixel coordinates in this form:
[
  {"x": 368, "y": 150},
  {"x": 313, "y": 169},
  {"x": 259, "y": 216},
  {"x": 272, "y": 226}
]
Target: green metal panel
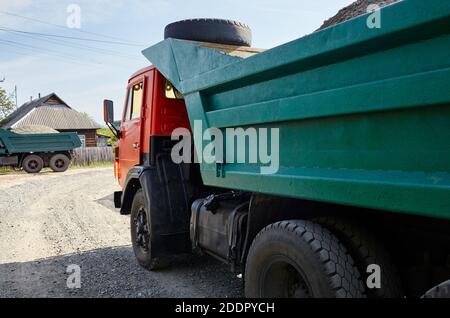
[
  {"x": 364, "y": 114},
  {"x": 18, "y": 143}
]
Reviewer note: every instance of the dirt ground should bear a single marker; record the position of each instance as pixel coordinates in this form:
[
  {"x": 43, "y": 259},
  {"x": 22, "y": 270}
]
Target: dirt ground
[{"x": 50, "y": 221}]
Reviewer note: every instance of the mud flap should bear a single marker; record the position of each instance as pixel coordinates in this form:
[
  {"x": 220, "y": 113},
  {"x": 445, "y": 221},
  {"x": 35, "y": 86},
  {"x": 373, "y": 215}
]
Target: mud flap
[{"x": 166, "y": 196}]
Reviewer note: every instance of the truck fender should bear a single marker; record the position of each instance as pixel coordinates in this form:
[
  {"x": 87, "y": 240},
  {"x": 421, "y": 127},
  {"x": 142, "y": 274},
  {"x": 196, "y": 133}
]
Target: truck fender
[{"x": 132, "y": 184}]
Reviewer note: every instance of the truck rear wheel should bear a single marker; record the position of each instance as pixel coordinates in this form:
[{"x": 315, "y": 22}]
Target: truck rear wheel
[
  {"x": 300, "y": 259},
  {"x": 441, "y": 291},
  {"x": 59, "y": 163},
  {"x": 33, "y": 164},
  {"x": 141, "y": 235},
  {"x": 366, "y": 250}
]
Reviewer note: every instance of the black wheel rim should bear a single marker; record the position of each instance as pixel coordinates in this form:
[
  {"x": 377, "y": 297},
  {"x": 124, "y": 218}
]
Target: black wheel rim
[
  {"x": 33, "y": 164},
  {"x": 282, "y": 278},
  {"x": 142, "y": 230},
  {"x": 59, "y": 163}
]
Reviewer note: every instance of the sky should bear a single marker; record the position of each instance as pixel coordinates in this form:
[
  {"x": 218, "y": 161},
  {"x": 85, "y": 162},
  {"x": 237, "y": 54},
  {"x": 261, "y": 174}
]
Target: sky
[{"x": 84, "y": 73}]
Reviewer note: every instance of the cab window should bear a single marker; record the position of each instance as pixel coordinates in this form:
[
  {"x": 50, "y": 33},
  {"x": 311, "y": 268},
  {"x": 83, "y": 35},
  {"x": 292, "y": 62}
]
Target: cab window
[
  {"x": 171, "y": 92},
  {"x": 137, "y": 94},
  {"x": 128, "y": 106}
]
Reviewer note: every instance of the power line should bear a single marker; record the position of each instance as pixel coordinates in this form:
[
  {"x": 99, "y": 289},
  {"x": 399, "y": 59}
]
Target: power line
[
  {"x": 72, "y": 58},
  {"x": 64, "y": 27},
  {"x": 43, "y": 51},
  {"x": 74, "y": 38},
  {"x": 67, "y": 43}
]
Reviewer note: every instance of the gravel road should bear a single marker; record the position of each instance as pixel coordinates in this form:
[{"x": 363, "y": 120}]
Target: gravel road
[{"x": 50, "y": 221}]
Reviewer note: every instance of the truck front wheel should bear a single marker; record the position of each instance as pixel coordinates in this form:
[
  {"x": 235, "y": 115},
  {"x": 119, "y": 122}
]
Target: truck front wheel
[
  {"x": 33, "y": 164},
  {"x": 59, "y": 163},
  {"x": 141, "y": 234},
  {"x": 300, "y": 259}
]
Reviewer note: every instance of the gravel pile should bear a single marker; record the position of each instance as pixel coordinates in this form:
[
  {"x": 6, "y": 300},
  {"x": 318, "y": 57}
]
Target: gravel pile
[
  {"x": 34, "y": 129},
  {"x": 355, "y": 9}
]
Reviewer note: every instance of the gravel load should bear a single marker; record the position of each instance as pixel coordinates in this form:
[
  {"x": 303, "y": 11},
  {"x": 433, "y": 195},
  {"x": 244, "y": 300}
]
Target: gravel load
[
  {"x": 354, "y": 10},
  {"x": 34, "y": 129}
]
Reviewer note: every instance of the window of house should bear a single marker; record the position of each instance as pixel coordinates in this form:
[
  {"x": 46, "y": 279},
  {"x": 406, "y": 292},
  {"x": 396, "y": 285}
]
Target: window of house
[{"x": 83, "y": 140}]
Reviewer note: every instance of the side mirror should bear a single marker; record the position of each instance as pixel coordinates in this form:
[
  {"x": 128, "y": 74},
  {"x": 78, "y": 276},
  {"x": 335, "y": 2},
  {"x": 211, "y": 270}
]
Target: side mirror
[
  {"x": 108, "y": 116},
  {"x": 108, "y": 111}
]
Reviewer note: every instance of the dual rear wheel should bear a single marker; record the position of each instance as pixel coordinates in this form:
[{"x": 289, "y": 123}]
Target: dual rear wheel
[
  {"x": 34, "y": 163},
  {"x": 327, "y": 258},
  {"x": 300, "y": 259},
  {"x": 59, "y": 163}
]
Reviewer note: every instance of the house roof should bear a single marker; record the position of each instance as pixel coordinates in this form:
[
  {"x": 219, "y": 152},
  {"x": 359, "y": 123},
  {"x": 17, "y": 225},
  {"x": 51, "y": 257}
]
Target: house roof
[
  {"x": 49, "y": 111},
  {"x": 58, "y": 117}
]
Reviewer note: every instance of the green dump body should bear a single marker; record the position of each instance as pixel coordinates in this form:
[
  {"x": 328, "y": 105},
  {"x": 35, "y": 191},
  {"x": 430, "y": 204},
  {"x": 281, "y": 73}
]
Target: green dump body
[
  {"x": 14, "y": 144},
  {"x": 363, "y": 113}
]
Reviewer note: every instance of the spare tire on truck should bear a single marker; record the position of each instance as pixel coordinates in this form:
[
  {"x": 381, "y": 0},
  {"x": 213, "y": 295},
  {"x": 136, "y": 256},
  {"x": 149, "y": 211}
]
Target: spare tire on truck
[{"x": 210, "y": 30}]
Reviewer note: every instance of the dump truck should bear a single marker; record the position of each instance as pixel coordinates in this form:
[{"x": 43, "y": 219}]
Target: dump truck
[
  {"x": 355, "y": 199},
  {"x": 33, "y": 152}
]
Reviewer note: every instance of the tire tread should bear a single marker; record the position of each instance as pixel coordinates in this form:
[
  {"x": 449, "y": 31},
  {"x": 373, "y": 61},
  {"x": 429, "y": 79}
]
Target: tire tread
[
  {"x": 366, "y": 249},
  {"x": 343, "y": 276}
]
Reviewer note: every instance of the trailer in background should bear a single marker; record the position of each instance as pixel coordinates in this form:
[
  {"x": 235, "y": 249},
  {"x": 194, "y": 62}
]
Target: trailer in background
[{"x": 33, "y": 152}]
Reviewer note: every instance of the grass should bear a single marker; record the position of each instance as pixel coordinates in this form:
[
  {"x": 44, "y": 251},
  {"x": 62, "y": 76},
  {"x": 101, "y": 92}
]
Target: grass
[
  {"x": 93, "y": 165},
  {"x": 8, "y": 170}
]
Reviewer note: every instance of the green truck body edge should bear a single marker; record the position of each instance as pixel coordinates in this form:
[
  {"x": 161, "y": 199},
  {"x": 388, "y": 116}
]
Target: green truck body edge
[{"x": 364, "y": 114}]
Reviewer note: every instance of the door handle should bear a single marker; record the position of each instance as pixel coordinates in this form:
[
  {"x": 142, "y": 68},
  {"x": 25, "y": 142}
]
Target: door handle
[{"x": 136, "y": 145}]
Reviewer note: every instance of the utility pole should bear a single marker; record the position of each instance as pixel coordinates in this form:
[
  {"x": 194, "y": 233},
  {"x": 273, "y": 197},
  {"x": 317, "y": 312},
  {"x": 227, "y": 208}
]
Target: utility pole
[{"x": 15, "y": 94}]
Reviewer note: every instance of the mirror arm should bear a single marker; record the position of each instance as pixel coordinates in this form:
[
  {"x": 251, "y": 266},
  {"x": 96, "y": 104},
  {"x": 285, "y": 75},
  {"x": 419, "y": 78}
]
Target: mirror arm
[{"x": 114, "y": 130}]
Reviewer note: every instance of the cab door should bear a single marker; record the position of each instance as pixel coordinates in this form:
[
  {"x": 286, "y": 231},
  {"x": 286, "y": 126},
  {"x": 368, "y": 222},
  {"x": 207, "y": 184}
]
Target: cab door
[{"x": 130, "y": 142}]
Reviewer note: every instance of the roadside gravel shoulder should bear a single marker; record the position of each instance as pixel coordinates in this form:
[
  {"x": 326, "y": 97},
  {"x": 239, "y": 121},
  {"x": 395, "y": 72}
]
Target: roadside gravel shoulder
[{"x": 50, "y": 221}]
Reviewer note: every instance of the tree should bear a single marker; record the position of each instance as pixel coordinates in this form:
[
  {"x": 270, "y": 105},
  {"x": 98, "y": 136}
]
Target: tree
[
  {"x": 7, "y": 105},
  {"x": 112, "y": 139}
]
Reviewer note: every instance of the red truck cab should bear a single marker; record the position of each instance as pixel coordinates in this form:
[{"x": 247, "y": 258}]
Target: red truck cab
[{"x": 152, "y": 110}]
